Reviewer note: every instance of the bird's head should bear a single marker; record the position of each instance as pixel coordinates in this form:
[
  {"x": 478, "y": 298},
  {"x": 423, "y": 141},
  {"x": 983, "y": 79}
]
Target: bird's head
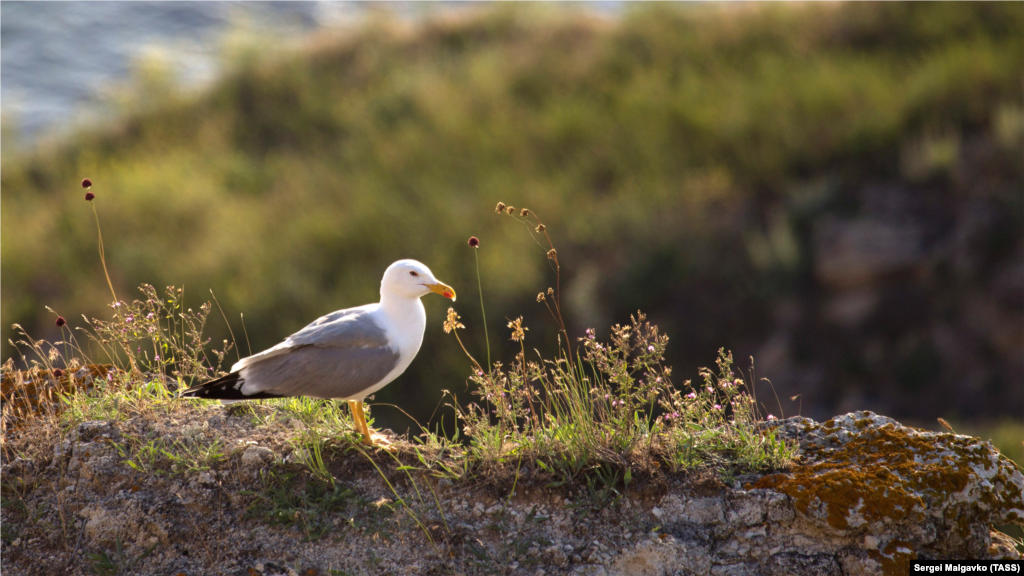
[{"x": 411, "y": 279}]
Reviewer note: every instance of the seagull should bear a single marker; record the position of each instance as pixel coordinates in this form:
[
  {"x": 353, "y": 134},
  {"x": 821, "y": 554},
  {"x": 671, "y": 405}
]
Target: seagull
[{"x": 346, "y": 355}]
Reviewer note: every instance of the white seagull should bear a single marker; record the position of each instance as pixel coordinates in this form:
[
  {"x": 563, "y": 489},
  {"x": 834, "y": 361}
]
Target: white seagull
[{"x": 346, "y": 355}]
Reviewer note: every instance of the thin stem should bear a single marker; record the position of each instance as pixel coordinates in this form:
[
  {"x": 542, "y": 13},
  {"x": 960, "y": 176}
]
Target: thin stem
[
  {"x": 103, "y": 259},
  {"x": 459, "y": 340},
  {"x": 479, "y": 286}
]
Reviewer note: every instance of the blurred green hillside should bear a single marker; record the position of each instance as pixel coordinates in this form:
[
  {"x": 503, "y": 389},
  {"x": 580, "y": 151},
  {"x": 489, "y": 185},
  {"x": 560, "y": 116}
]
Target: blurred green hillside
[{"x": 835, "y": 189}]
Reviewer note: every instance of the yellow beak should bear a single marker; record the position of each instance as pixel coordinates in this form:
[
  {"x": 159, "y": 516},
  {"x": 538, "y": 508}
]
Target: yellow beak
[{"x": 442, "y": 289}]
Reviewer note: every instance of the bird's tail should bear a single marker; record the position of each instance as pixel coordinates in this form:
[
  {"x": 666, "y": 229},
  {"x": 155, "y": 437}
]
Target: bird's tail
[{"x": 227, "y": 388}]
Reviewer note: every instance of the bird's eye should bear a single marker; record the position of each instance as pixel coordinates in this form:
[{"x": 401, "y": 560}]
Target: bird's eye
[{"x": 413, "y": 274}]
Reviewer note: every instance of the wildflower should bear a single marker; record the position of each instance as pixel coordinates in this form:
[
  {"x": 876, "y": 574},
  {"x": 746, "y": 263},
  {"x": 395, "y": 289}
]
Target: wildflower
[
  {"x": 710, "y": 389},
  {"x": 149, "y": 316},
  {"x": 541, "y": 228},
  {"x": 117, "y": 304},
  {"x": 58, "y": 373},
  {"x": 89, "y": 196},
  {"x": 86, "y": 183},
  {"x": 540, "y": 297},
  {"x": 658, "y": 379},
  {"x": 156, "y": 358},
  {"x": 691, "y": 395},
  {"x": 474, "y": 242},
  {"x": 518, "y": 330},
  {"x": 499, "y": 208},
  {"x": 650, "y": 348},
  {"x": 717, "y": 406},
  {"x": 552, "y": 254},
  {"x": 452, "y": 322},
  {"x": 129, "y": 318},
  {"x": 590, "y": 333},
  {"x": 738, "y": 382},
  {"x": 675, "y": 414},
  {"x": 110, "y": 376},
  {"x": 524, "y": 212},
  {"x": 771, "y": 417},
  {"x": 60, "y": 321}
]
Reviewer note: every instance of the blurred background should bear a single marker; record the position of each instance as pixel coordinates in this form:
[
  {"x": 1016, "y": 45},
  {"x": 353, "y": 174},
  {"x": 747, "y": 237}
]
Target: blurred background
[{"x": 836, "y": 190}]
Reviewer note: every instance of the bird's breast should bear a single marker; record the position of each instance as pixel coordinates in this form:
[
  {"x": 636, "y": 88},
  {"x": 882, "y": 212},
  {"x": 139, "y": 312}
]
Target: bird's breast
[{"x": 405, "y": 329}]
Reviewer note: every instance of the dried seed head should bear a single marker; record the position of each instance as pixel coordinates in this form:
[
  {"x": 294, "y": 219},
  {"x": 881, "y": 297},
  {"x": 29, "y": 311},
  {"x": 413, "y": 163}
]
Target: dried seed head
[
  {"x": 552, "y": 254},
  {"x": 452, "y": 322},
  {"x": 551, "y": 291},
  {"x": 518, "y": 330},
  {"x": 58, "y": 373},
  {"x": 510, "y": 210},
  {"x": 474, "y": 242},
  {"x": 60, "y": 321},
  {"x": 499, "y": 208},
  {"x": 945, "y": 424},
  {"x": 86, "y": 183},
  {"x": 541, "y": 227},
  {"x": 89, "y": 196},
  {"x": 524, "y": 212},
  {"x": 540, "y": 297}
]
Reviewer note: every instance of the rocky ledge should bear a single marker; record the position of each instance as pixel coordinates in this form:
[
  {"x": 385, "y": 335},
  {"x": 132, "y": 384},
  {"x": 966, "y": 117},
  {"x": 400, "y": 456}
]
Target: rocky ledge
[{"x": 865, "y": 496}]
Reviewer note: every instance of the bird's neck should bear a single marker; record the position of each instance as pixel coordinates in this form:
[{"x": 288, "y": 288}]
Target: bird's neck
[{"x": 401, "y": 307}]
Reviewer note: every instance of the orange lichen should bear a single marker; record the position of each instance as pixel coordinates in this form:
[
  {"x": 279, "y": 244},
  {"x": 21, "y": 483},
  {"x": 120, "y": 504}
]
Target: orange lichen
[
  {"x": 884, "y": 474},
  {"x": 895, "y": 558}
]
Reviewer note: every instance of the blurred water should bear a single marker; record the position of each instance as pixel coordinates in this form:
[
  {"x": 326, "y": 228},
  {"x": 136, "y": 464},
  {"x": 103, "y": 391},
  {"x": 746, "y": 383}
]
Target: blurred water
[{"x": 57, "y": 58}]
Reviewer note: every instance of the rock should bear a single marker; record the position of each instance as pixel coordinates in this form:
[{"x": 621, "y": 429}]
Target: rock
[
  {"x": 87, "y": 431},
  {"x": 257, "y": 456},
  {"x": 866, "y": 481},
  {"x": 863, "y": 496},
  {"x": 589, "y": 570},
  {"x": 649, "y": 558}
]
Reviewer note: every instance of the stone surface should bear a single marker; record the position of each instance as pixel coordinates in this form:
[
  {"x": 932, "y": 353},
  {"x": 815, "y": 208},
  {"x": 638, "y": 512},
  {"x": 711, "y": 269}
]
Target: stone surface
[{"x": 864, "y": 496}]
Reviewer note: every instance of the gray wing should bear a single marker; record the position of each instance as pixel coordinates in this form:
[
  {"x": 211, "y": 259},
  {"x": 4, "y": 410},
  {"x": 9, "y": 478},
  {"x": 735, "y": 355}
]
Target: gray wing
[{"x": 337, "y": 356}]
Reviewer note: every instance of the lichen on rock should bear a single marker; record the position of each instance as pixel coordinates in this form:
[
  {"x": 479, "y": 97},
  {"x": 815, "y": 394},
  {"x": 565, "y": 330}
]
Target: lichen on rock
[{"x": 906, "y": 493}]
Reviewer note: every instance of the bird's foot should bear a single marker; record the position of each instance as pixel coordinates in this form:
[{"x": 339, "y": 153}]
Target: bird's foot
[{"x": 379, "y": 441}]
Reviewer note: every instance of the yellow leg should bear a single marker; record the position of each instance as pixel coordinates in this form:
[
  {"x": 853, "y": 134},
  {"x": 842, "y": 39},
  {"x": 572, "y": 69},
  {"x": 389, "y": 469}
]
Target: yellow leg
[{"x": 360, "y": 420}]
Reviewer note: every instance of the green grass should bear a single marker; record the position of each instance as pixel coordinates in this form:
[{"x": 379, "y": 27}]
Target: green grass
[
  {"x": 187, "y": 456},
  {"x": 312, "y": 506},
  {"x": 103, "y": 563}
]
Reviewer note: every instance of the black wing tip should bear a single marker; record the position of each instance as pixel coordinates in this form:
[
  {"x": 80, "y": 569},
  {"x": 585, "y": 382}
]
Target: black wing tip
[{"x": 225, "y": 388}]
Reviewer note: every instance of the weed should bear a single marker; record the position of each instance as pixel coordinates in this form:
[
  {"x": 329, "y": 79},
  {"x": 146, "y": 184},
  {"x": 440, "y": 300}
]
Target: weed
[
  {"x": 158, "y": 456},
  {"x": 105, "y": 564},
  {"x": 608, "y": 408},
  {"x": 313, "y": 506}
]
